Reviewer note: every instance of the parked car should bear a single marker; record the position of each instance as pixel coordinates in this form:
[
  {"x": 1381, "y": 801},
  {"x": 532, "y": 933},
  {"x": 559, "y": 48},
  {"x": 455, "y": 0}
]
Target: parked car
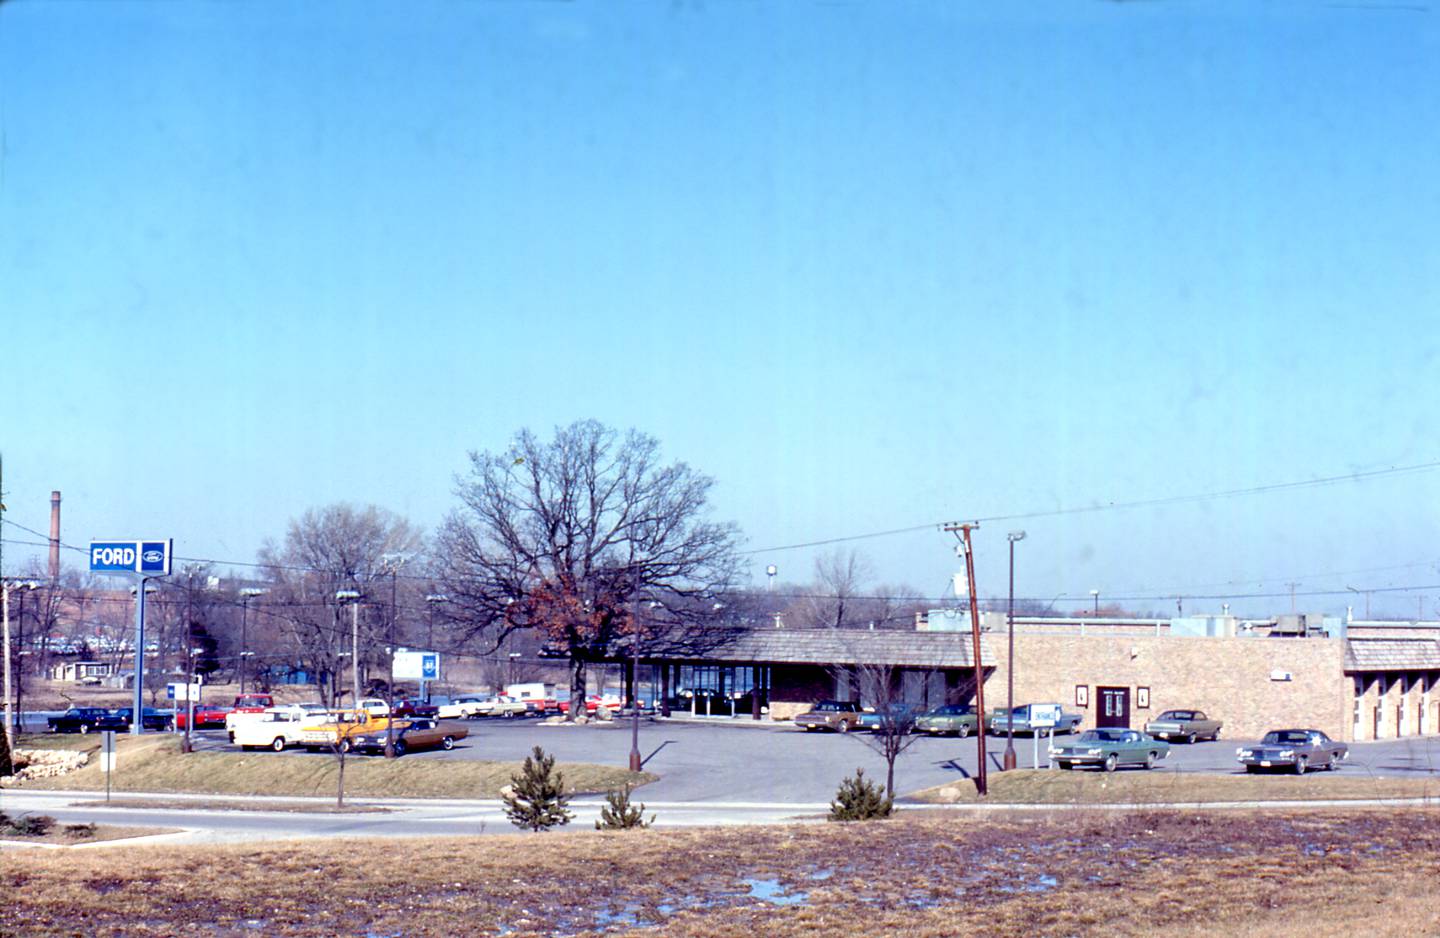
[
  {"x": 459, "y": 707},
  {"x": 593, "y": 702},
  {"x": 1110, "y": 748},
  {"x": 950, "y": 720},
  {"x": 842, "y": 716},
  {"x": 503, "y": 705},
  {"x": 415, "y": 707},
  {"x": 206, "y": 715},
  {"x": 78, "y": 720},
  {"x": 898, "y": 717},
  {"x": 410, "y": 734},
  {"x": 1188, "y": 725},
  {"x": 150, "y": 719},
  {"x": 1025, "y": 718},
  {"x": 1300, "y": 750},
  {"x": 316, "y": 713},
  {"x": 276, "y": 727}
]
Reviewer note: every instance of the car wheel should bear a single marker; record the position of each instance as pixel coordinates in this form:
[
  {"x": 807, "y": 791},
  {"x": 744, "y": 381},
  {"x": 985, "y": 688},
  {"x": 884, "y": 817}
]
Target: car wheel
[
  {"x": 1301, "y": 764},
  {"x": 1190, "y": 740},
  {"x": 345, "y": 745},
  {"x": 844, "y": 727},
  {"x": 1215, "y": 736},
  {"x": 1112, "y": 762},
  {"x": 278, "y": 744},
  {"x": 447, "y": 743},
  {"x": 963, "y": 731},
  {"x": 400, "y": 748},
  {"x": 1251, "y": 769},
  {"x": 1150, "y": 759},
  {"x": 84, "y": 728},
  {"x": 170, "y": 726},
  {"x": 1334, "y": 764}
]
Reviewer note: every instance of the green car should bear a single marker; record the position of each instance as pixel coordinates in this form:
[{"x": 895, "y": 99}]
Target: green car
[
  {"x": 1109, "y": 749},
  {"x": 949, "y": 720}
]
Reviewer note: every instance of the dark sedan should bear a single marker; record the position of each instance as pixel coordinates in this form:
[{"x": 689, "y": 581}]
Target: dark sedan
[
  {"x": 895, "y": 718},
  {"x": 1299, "y": 750},
  {"x": 79, "y": 720},
  {"x": 150, "y": 719}
]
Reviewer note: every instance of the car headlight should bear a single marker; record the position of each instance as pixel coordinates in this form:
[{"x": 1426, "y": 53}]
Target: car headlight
[
  {"x": 1242, "y": 752},
  {"x": 1287, "y": 753},
  {"x": 1092, "y": 752}
]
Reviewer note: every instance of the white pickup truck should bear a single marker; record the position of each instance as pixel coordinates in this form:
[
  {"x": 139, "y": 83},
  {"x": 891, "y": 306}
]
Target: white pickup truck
[{"x": 276, "y": 727}]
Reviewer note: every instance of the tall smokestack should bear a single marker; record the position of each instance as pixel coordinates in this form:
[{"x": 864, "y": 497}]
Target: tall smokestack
[{"x": 54, "y": 536}]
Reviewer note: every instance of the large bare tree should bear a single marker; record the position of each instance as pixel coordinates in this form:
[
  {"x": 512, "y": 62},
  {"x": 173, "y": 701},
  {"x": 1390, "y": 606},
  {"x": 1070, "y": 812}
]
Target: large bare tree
[
  {"x": 567, "y": 536},
  {"x": 338, "y": 547}
]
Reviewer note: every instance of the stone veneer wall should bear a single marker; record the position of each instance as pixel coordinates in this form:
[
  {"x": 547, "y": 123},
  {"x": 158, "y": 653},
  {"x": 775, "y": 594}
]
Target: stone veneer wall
[{"x": 1228, "y": 678}]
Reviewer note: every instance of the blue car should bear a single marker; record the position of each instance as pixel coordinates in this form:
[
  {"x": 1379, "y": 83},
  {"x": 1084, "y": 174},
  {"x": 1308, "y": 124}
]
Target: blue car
[{"x": 896, "y": 717}]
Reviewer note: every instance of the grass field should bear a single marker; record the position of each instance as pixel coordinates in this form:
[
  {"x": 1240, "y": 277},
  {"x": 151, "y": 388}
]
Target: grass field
[
  {"x": 1132, "y": 873},
  {"x": 155, "y": 764}
]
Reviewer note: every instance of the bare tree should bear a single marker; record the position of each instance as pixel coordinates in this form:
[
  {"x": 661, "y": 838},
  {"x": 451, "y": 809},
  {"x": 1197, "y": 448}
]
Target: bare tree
[
  {"x": 882, "y": 688},
  {"x": 565, "y": 536},
  {"x": 338, "y": 547}
]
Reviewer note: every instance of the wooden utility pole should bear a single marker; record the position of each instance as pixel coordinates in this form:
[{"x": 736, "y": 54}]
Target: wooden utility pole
[{"x": 962, "y": 532}]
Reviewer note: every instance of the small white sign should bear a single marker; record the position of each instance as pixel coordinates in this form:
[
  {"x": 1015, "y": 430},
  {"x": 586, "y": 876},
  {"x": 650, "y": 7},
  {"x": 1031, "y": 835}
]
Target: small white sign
[
  {"x": 1044, "y": 715},
  {"x": 417, "y": 665},
  {"x": 107, "y": 761}
]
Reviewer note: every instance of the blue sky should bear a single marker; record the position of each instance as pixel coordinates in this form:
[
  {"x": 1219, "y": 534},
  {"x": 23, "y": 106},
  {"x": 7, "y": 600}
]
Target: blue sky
[{"x": 869, "y": 265}]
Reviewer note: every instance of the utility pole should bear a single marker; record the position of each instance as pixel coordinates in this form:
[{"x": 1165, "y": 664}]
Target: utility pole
[
  {"x": 962, "y": 532},
  {"x": 1292, "y": 595}
]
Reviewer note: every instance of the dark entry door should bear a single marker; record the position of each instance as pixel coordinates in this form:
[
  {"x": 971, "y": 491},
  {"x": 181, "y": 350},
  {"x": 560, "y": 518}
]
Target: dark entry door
[{"x": 1114, "y": 707}]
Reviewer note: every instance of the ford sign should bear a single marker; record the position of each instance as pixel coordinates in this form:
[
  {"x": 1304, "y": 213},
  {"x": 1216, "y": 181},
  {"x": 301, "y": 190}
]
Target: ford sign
[{"x": 147, "y": 558}]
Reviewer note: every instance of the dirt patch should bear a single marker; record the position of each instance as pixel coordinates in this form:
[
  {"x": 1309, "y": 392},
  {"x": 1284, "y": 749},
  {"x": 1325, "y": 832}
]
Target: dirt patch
[{"x": 927, "y": 874}]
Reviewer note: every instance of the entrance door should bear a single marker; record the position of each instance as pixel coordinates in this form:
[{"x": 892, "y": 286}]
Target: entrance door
[{"x": 1114, "y": 707}]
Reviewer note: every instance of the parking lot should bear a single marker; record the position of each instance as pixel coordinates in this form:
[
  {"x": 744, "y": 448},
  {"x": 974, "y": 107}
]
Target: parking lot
[{"x": 700, "y": 760}]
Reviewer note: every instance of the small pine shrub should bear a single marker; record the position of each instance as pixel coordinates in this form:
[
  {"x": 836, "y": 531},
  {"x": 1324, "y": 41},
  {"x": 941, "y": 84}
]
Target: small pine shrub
[
  {"x": 860, "y": 800},
  {"x": 618, "y": 814},
  {"x": 80, "y": 831},
  {"x": 537, "y": 798}
]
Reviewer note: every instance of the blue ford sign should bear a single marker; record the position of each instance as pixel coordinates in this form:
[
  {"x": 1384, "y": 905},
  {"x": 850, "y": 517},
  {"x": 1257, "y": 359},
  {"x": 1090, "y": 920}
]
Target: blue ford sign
[
  {"x": 148, "y": 558},
  {"x": 430, "y": 667}
]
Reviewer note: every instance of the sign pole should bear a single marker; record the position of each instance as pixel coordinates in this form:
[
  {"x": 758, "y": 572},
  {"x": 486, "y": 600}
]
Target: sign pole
[{"x": 137, "y": 724}]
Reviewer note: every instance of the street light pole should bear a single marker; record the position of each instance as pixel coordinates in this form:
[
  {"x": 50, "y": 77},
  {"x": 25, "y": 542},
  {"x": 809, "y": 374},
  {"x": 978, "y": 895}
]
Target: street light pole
[
  {"x": 1009, "y": 762},
  {"x": 1095, "y": 595},
  {"x": 353, "y": 598},
  {"x": 246, "y": 595}
]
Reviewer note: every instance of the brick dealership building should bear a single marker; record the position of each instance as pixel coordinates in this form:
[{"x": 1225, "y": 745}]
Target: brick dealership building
[{"x": 1356, "y": 680}]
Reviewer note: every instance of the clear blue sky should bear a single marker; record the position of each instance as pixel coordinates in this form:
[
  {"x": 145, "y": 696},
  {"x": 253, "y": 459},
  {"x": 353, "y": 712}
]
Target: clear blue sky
[{"x": 870, "y": 265}]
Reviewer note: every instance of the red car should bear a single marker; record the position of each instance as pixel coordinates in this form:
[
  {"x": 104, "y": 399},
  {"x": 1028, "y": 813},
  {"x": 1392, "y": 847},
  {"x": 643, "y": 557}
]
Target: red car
[
  {"x": 205, "y": 715},
  {"x": 415, "y": 707},
  {"x": 592, "y": 703}
]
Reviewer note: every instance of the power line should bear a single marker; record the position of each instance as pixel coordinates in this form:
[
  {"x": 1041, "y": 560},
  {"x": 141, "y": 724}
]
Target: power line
[{"x": 1118, "y": 506}]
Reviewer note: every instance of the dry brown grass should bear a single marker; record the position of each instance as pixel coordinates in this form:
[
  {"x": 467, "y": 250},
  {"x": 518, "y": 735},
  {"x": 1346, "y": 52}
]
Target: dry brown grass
[
  {"x": 155, "y": 764},
  {"x": 927, "y": 874},
  {"x": 222, "y": 804},
  {"x": 1026, "y": 786}
]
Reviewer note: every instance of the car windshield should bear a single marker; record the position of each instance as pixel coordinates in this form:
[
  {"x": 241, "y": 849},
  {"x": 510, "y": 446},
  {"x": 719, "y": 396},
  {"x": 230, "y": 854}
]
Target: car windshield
[
  {"x": 1178, "y": 715},
  {"x": 955, "y": 710},
  {"x": 1102, "y": 736},
  {"x": 1287, "y": 736}
]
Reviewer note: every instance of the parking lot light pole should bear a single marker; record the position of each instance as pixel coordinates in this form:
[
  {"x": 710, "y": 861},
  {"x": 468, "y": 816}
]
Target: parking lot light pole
[
  {"x": 246, "y": 594},
  {"x": 1009, "y": 762},
  {"x": 353, "y": 598}
]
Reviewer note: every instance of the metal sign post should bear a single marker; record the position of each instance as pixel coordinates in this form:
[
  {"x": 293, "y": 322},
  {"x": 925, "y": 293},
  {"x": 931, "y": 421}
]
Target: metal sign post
[
  {"x": 140, "y": 561},
  {"x": 107, "y": 759}
]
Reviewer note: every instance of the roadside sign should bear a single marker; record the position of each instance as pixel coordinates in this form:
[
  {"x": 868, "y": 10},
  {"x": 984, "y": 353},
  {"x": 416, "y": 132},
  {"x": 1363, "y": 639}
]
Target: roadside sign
[
  {"x": 1044, "y": 716},
  {"x": 175, "y": 690},
  {"x": 146, "y": 558},
  {"x": 417, "y": 665}
]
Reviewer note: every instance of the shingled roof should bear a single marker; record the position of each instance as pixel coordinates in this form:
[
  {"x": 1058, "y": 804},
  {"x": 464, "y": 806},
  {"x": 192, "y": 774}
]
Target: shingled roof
[
  {"x": 1392, "y": 654},
  {"x": 851, "y": 646}
]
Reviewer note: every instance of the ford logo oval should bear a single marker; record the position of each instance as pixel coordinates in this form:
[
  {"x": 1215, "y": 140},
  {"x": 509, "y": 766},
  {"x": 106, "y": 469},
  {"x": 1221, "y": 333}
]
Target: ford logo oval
[{"x": 153, "y": 556}]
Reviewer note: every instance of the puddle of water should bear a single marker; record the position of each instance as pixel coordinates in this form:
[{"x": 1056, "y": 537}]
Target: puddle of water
[
  {"x": 1041, "y": 883},
  {"x": 770, "y": 890}
]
